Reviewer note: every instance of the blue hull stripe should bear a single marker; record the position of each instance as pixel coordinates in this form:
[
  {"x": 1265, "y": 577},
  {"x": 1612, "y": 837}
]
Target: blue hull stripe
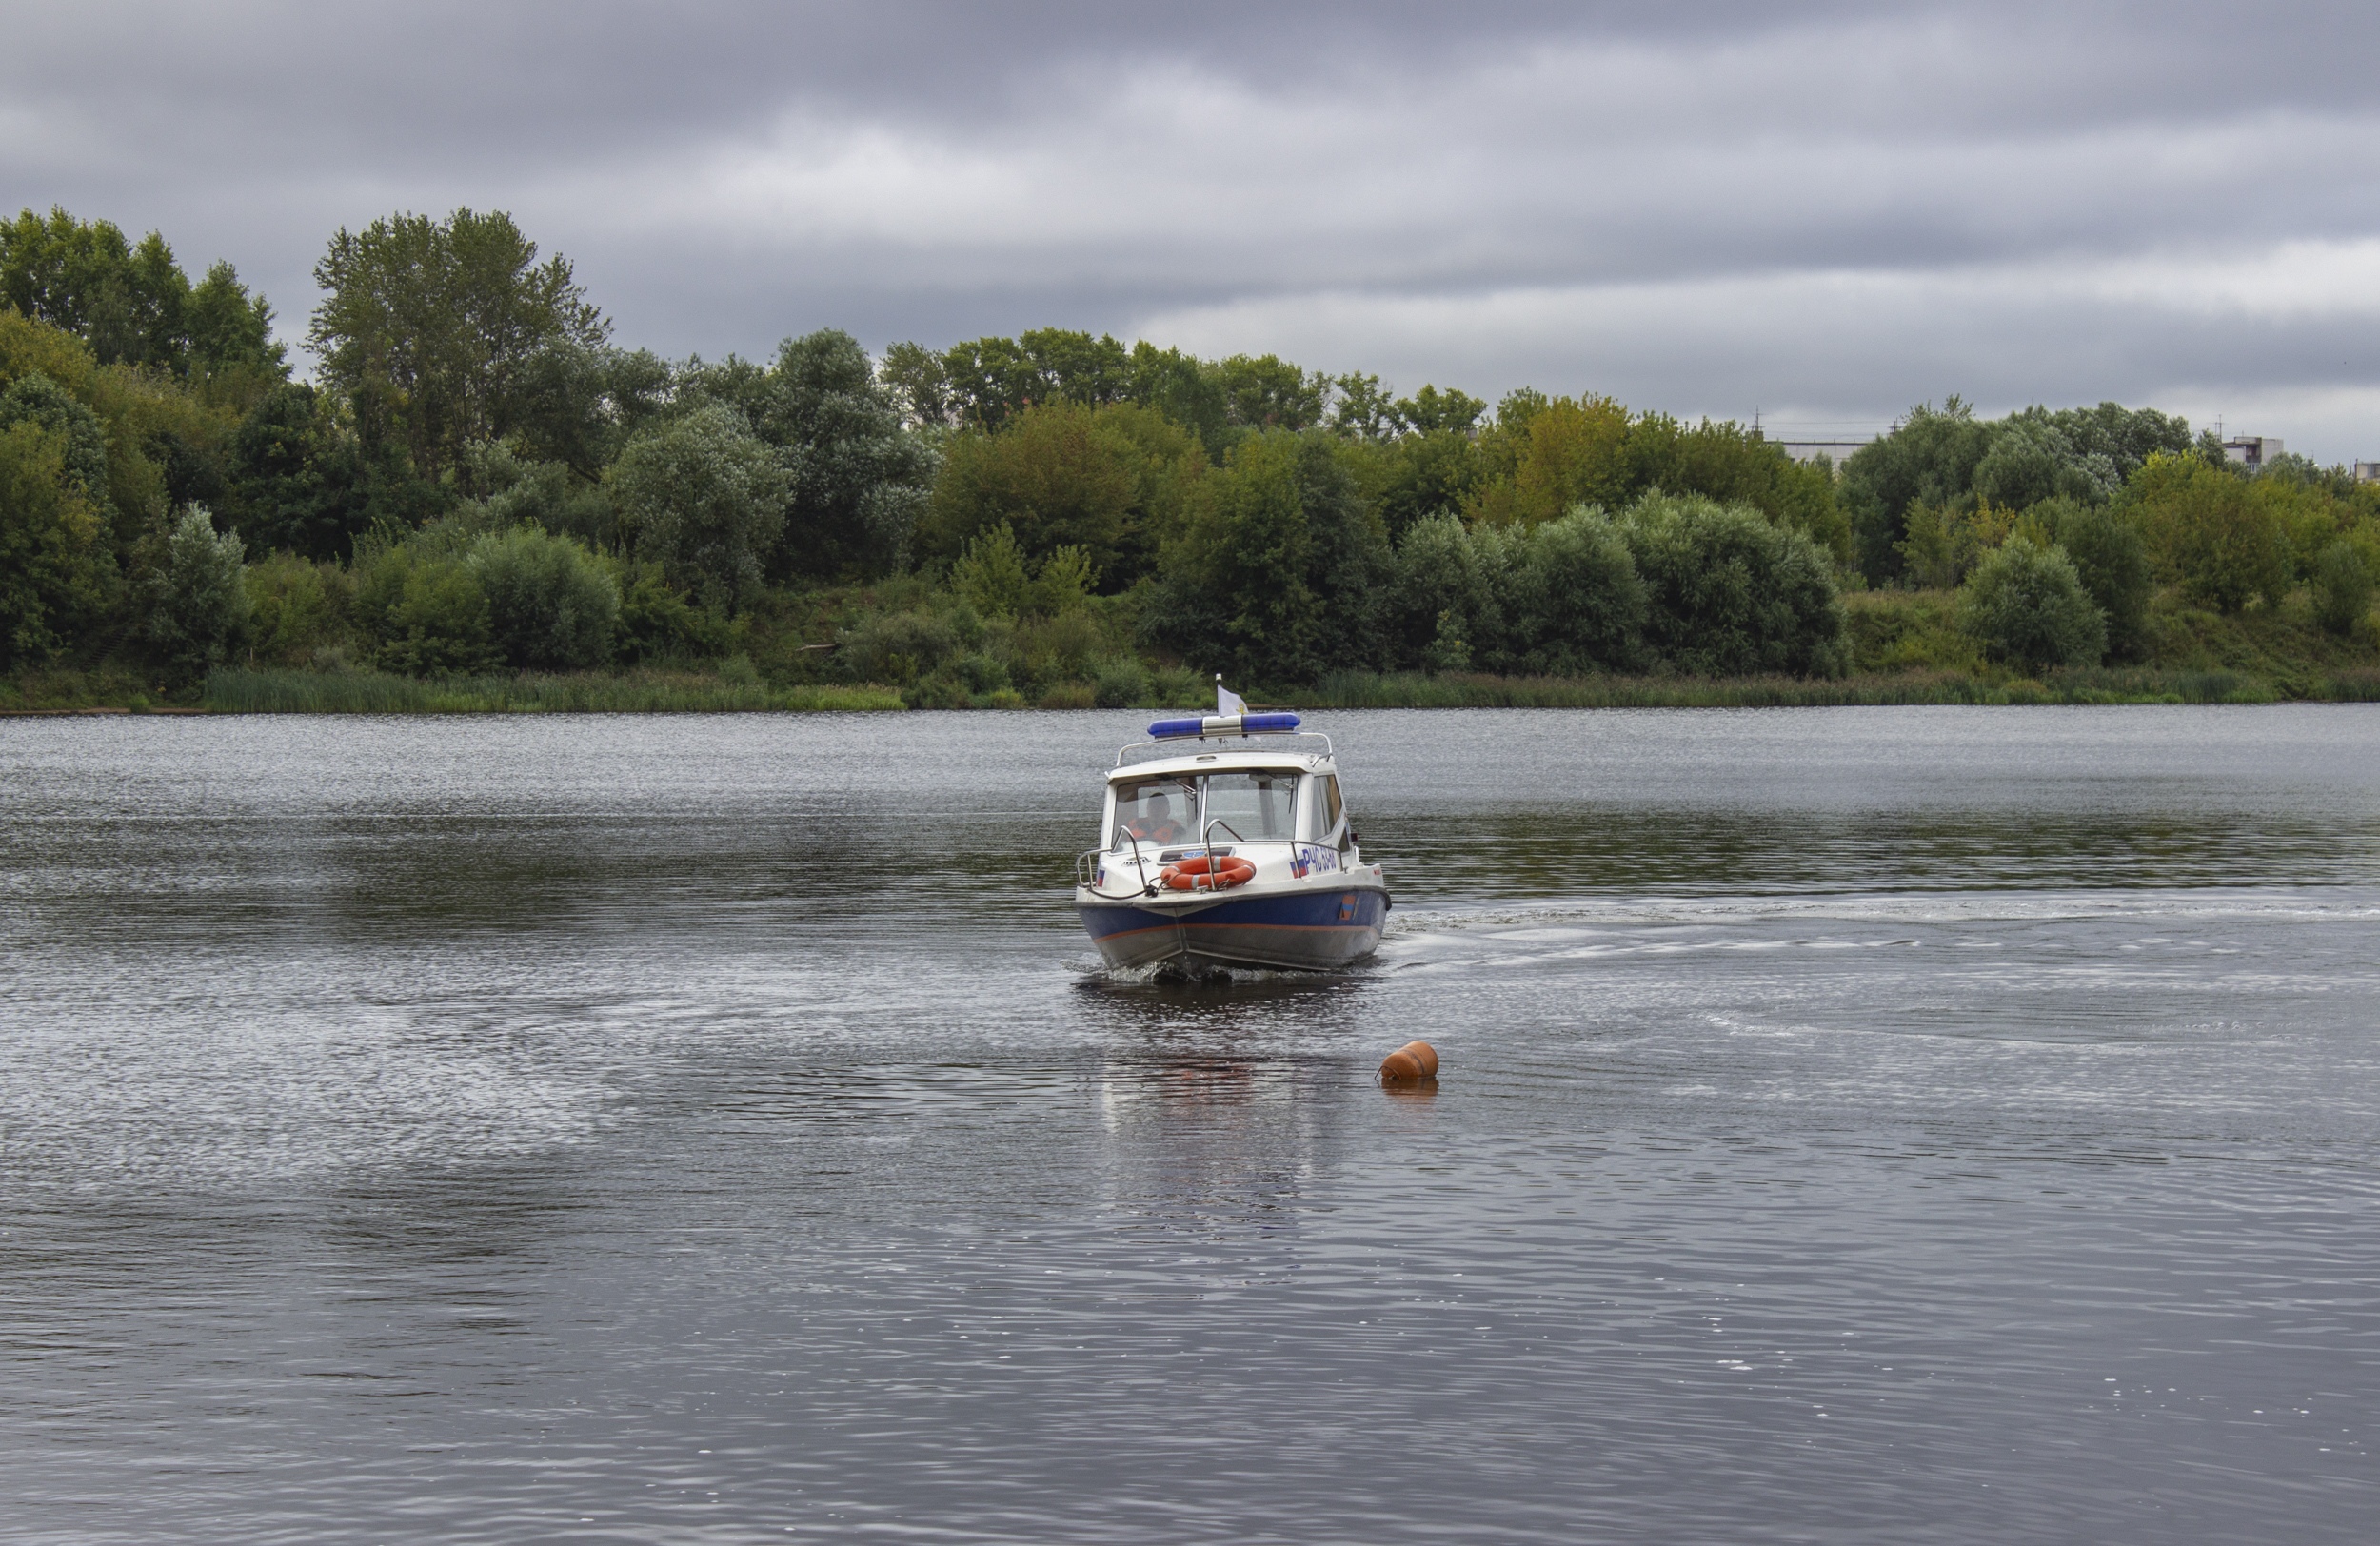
[{"x": 1323, "y": 910}]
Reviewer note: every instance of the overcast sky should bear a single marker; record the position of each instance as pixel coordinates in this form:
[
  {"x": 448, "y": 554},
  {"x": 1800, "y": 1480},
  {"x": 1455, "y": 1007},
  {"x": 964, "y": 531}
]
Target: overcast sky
[{"x": 1824, "y": 213}]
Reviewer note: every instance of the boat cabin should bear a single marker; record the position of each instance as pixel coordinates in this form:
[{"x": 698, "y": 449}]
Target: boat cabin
[
  {"x": 1182, "y": 799},
  {"x": 1221, "y": 798}
]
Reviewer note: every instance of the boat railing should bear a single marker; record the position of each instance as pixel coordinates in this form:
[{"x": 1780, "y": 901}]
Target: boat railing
[
  {"x": 1087, "y": 866},
  {"x": 1086, "y": 863},
  {"x": 1206, "y": 838}
]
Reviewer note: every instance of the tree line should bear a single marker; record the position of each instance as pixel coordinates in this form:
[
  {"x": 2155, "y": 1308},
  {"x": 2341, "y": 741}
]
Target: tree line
[{"x": 477, "y": 477}]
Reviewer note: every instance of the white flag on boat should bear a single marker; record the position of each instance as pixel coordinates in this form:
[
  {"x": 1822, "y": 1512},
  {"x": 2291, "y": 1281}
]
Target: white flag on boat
[{"x": 1226, "y": 700}]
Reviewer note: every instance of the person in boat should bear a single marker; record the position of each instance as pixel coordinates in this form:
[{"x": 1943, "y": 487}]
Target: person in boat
[{"x": 1155, "y": 823}]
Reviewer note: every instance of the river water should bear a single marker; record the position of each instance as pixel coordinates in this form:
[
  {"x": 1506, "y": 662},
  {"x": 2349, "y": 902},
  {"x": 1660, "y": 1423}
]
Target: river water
[{"x": 1863, "y": 1126}]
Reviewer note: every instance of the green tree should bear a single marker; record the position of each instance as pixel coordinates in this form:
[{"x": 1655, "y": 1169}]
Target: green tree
[
  {"x": 1430, "y": 473},
  {"x": 1575, "y": 602},
  {"x": 197, "y": 597},
  {"x": 551, "y": 605},
  {"x": 1726, "y": 462},
  {"x": 228, "y": 328},
  {"x": 428, "y": 327},
  {"x": 2343, "y": 582},
  {"x": 1362, "y": 409},
  {"x": 2112, "y": 559},
  {"x": 34, "y": 399},
  {"x": 1237, "y": 596},
  {"x": 993, "y": 577},
  {"x": 297, "y": 606},
  {"x": 918, "y": 380},
  {"x": 55, "y": 569},
  {"x": 548, "y": 495},
  {"x": 1430, "y": 411},
  {"x": 294, "y": 481},
  {"x": 577, "y": 403},
  {"x": 1112, "y": 481},
  {"x": 1280, "y": 573},
  {"x": 1547, "y": 455},
  {"x": 1264, "y": 391},
  {"x": 1930, "y": 457},
  {"x": 1050, "y": 477},
  {"x": 2029, "y": 458},
  {"x": 1729, "y": 593},
  {"x": 130, "y": 301},
  {"x": 2026, "y": 605},
  {"x": 1187, "y": 390},
  {"x": 984, "y": 383},
  {"x": 705, "y": 498},
  {"x": 2207, "y": 529},
  {"x": 1446, "y": 610},
  {"x": 425, "y": 611},
  {"x": 859, "y": 479}
]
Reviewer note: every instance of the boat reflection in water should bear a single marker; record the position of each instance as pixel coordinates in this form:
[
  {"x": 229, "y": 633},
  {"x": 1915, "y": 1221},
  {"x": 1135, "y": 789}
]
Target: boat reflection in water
[{"x": 1227, "y": 844}]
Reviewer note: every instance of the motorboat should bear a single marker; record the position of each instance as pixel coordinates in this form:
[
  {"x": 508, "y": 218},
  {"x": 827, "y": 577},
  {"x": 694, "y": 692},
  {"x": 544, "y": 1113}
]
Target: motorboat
[{"x": 1226, "y": 844}]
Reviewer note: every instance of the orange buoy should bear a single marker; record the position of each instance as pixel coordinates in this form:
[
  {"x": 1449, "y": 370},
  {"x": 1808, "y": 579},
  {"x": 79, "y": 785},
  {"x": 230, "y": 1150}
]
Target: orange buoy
[
  {"x": 1413, "y": 1063},
  {"x": 1199, "y": 873}
]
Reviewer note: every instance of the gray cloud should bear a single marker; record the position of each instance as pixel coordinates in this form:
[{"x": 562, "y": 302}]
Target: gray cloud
[{"x": 1831, "y": 213}]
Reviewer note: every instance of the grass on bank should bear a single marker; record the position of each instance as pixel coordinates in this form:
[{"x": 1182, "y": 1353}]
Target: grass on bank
[
  {"x": 373, "y": 692},
  {"x": 2099, "y": 686},
  {"x": 584, "y": 692},
  {"x": 1906, "y": 648}
]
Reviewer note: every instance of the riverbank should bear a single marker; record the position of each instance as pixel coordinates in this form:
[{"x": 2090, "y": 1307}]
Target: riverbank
[
  {"x": 372, "y": 692},
  {"x": 1905, "y": 649},
  {"x": 380, "y": 692}
]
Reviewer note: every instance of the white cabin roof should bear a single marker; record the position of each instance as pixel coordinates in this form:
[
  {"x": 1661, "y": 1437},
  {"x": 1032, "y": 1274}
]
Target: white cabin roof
[{"x": 1209, "y": 762}]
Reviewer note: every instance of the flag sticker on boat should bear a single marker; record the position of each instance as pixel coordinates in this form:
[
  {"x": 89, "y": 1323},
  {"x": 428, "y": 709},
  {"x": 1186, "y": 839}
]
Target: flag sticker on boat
[{"x": 1347, "y": 906}]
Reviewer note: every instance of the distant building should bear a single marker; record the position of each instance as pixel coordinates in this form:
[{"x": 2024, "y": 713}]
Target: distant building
[
  {"x": 1835, "y": 450},
  {"x": 2251, "y": 452},
  {"x": 2367, "y": 472}
]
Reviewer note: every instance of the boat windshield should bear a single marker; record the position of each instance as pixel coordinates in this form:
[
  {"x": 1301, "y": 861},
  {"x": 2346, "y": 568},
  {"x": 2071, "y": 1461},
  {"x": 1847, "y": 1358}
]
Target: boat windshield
[
  {"x": 1159, "y": 810},
  {"x": 1256, "y": 806}
]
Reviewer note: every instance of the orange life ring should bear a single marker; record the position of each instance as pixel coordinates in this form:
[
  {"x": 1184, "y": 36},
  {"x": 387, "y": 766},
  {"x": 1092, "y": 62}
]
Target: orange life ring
[{"x": 1199, "y": 873}]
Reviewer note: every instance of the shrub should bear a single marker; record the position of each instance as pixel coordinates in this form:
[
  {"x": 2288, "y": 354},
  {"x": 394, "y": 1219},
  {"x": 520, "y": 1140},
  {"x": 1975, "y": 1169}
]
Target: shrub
[
  {"x": 296, "y": 608},
  {"x": 992, "y": 576},
  {"x": 1447, "y": 593},
  {"x": 551, "y": 605},
  {"x": 2112, "y": 560},
  {"x": 1573, "y": 601},
  {"x": 428, "y": 615},
  {"x": 897, "y": 647},
  {"x": 1944, "y": 542},
  {"x": 548, "y": 494},
  {"x": 2026, "y": 605},
  {"x": 56, "y": 571},
  {"x": 705, "y": 498},
  {"x": 972, "y": 680},
  {"x": 197, "y": 596},
  {"x": 657, "y": 625},
  {"x": 2343, "y": 584},
  {"x": 2210, "y": 533},
  {"x": 1729, "y": 594},
  {"x": 1277, "y": 573},
  {"x": 1061, "y": 648},
  {"x": 1121, "y": 681},
  {"x": 294, "y": 478},
  {"x": 34, "y": 399}
]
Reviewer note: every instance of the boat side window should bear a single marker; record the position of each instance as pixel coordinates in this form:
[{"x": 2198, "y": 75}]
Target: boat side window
[
  {"x": 1332, "y": 809},
  {"x": 1158, "y": 810},
  {"x": 1256, "y": 806}
]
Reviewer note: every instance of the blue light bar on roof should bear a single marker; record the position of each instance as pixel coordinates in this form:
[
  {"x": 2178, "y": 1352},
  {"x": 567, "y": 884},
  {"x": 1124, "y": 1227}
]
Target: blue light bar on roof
[{"x": 1224, "y": 725}]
